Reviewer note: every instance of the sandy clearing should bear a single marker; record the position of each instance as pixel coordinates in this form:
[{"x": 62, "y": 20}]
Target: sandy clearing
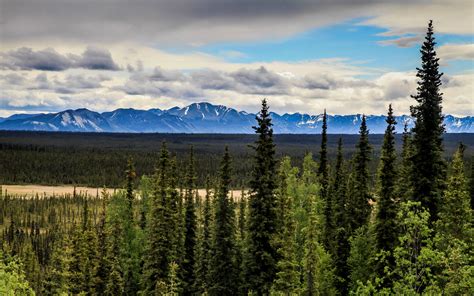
[{"x": 32, "y": 190}]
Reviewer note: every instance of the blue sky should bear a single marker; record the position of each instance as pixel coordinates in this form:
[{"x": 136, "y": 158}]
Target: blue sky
[{"x": 348, "y": 40}]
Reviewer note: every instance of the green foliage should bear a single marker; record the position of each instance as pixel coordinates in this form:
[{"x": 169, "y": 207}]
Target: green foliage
[
  {"x": 190, "y": 226},
  {"x": 362, "y": 256},
  {"x": 204, "y": 245},
  {"x": 358, "y": 207},
  {"x": 430, "y": 172},
  {"x": 386, "y": 231},
  {"x": 261, "y": 256},
  {"x": 12, "y": 278},
  {"x": 416, "y": 258},
  {"x": 223, "y": 270},
  {"x": 319, "y": 270},
  {"x": 304, "y": 230},
  {"x": 158, "y": 249},
  {"x": 58, "y": 278},
  {"x": 287, "y": 281}
]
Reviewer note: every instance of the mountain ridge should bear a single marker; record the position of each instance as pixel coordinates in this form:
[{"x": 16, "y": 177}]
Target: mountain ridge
[{"x": 204, "y": 117}]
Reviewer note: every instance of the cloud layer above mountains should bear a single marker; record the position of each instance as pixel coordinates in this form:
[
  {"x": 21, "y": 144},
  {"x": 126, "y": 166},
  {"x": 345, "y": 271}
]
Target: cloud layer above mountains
[{"x": 59, "y": 54}]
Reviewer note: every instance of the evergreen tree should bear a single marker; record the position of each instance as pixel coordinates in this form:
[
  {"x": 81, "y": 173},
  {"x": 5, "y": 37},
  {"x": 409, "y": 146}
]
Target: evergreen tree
[
  {"x": 103, "y": 269},
  {"x": 158, "y": 250},
  {"x": 287, "y": 281},
  {"x": 404, "y": 186},
  {"x": 319, "y": 270},
  {"x": 261, "y": 257},
  {"x": 386, "y": 232},
  {"x": 204, "y": 251},
  {"x": 189, "y": 228},
  {"x": 85, "y": 260},
  {"x": 59, "y": 275},
  {"x": 114, "y": 283},
  {"x": 455, "y": 213},
  {"x": 323, "y": 173},
  {"x": 130, "y": 177},
  {"x": 223, "y": 270},
  {"x": 131, "y": 262},
  {"x": 358, "y": 206},
  {"x": 340, "y": 235},
  {"x": 361, "y": 260},
  {"x": 455, "y": 234},
  {"x": 430, "y": 172}
]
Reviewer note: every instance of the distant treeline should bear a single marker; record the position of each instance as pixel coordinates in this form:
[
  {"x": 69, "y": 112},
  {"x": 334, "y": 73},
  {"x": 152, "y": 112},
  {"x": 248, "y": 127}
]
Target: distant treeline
[{"x": 92, "y": 159}]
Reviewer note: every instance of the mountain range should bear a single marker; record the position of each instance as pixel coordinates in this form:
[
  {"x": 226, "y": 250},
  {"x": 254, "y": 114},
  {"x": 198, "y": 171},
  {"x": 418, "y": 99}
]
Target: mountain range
[{"x": 206, "y": 118}]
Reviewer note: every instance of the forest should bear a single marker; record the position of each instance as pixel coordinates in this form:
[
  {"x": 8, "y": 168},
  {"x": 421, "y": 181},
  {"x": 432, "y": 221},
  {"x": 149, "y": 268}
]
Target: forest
[{"x": 341, "y": 221}]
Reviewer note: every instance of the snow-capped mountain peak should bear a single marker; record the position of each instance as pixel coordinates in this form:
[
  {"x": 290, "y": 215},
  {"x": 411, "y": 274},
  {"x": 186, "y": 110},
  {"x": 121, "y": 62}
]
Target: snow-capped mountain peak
[{"x": 204, "y": 117}]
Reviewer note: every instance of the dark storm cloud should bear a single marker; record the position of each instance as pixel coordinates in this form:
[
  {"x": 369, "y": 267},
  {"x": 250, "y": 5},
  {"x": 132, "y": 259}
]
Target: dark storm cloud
[
  {"x": 247, "y": 81},
  {"x": 96, "y": 59},
  {"x": 175, "y": 21},
  {"x": 27, "y": 59},
  {"x": 50, "y": 60}
]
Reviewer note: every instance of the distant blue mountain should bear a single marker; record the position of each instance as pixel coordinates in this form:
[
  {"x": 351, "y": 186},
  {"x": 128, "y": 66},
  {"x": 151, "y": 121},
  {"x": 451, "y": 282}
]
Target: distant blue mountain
[{"x": 206, "y": 118}]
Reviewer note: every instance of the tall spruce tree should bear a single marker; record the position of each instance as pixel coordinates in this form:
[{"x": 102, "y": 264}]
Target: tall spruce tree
[
  {"x": 358, "y": 206},
  {"x": 158, "y": 249},
  {"x": 287, "y": 281},
  {"x": 323, "y": 174},
  {"x": 428, "y": 178},
  {"x": 340, "y": 235},
  {"x": 204, "y": 250},
  {"x": 261, "y": 257},
  {"x": 385, "y": 225},
  {"x": 190, "y": 226},
  {"x": 223, "y": 271},
  {"x": 404, "y": 186}
]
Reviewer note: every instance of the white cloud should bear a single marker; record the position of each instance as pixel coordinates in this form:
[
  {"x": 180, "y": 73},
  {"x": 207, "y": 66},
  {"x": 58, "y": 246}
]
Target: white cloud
[
  {"x": 447, "y": 52},
  {"x": 290, "y": 87}
]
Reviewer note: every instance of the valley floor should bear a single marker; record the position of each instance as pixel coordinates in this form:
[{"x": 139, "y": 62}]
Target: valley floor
[{"x": 43, "y": 190}]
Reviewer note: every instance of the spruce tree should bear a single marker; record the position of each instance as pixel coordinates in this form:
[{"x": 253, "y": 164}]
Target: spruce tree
[
  {"x": 323, "y": 174},
  {"x": 158, "y": 249},
  {"x": 189, "y": 228},
  {"x": 103, "y": 269},
  {"x": 204, "y": 250},
  {"x": 261, "y": 257},
  {"x": 319, "y": 270},
  {"x": 455, "y": 234},
  {"x": 287, "y": 281},
  {"x": 130, "y": 178},
  {"x": 340, "y": 236},
  {"x": 404, "y": 186},
  {"x": 385, "y": 221},
  {"x": 58, "y": 278},
  {"x": 358, "y": 206},
  {"x": 429, "y": 175},
  {"x": 223, "y": 271},
  {"x": 455, "y": 213}
]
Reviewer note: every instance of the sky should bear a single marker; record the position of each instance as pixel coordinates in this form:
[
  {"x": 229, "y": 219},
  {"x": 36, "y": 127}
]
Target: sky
[{"x": 345, "y": 56}]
